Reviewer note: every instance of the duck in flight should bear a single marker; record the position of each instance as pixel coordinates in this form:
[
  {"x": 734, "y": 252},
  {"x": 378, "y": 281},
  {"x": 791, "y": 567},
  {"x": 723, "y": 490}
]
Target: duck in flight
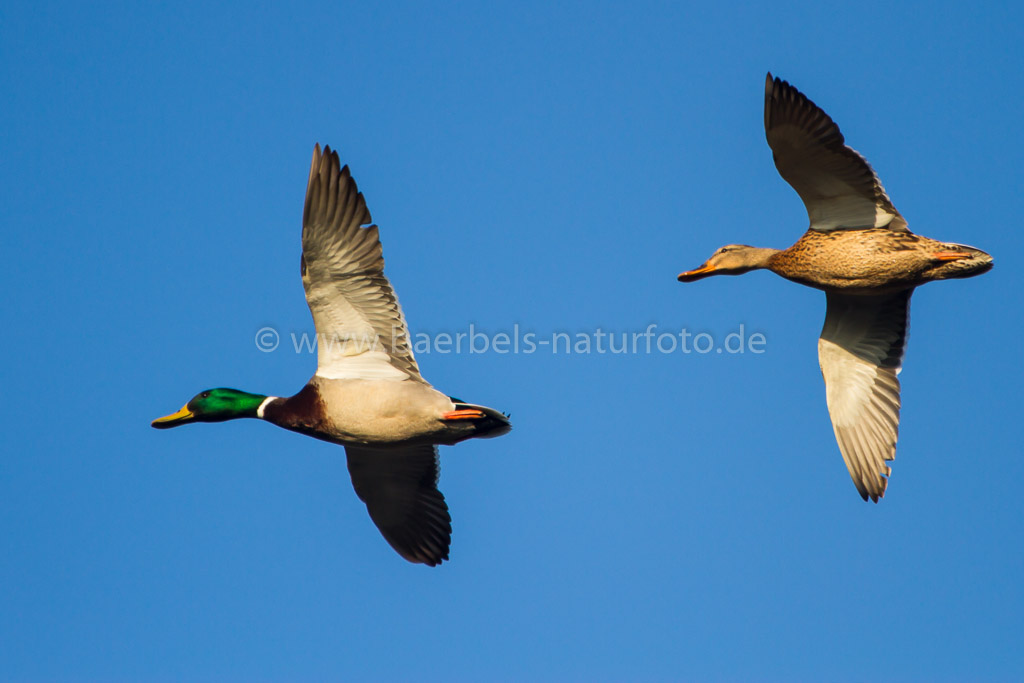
[
  {"x": 859, "y": 251},
  {"x": 367, "y": 394}
]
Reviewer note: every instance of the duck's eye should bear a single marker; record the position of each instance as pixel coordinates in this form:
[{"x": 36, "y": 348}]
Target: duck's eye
[{"x": 205, "y": 394}]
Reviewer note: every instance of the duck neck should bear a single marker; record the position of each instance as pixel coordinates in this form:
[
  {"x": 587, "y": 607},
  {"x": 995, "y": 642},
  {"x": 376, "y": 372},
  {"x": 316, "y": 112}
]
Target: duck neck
[
  {"x": 262, "y": 407},
  {"x": 761, "y": 257}
]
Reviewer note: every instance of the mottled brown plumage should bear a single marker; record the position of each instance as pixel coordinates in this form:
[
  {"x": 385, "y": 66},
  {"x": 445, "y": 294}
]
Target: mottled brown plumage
[
  {"x": 873, "y": 260},
  {"x": 859, "y": 251}
]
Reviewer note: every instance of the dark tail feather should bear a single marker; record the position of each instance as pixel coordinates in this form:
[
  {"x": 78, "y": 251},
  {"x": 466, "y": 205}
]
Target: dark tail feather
[
  {"x": 491, "y": 425},
  {"x": 978, "y": 263}
]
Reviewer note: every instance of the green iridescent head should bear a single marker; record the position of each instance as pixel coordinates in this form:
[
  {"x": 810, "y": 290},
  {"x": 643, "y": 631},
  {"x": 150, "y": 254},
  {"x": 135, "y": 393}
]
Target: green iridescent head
[{"x": 213, "y": 405}]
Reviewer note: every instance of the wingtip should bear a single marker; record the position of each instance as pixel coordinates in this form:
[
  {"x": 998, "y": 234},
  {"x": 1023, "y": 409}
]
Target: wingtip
[
  {"x": 873, "y": 496},
  {"x": 331, "y": 154},
  {"x": 314, "y": 167},
  {"x": 770, "y": 83},
  {"x": 435, "y": 560},
  {"x": 326, "y": 157}
]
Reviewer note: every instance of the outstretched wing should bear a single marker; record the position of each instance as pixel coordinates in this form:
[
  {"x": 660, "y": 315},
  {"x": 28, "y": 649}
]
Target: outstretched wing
[
  {"x": 399, "y": 487},
  {"x": 361, "y": 332},
  {"x": 838, "y": 186},
  {"x": 861, "y": 351}
]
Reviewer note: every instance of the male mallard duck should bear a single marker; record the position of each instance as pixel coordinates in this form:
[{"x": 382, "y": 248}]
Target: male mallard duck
[
  {"x": 859, "y": 251},
  {"x": 367, "y": 393}
]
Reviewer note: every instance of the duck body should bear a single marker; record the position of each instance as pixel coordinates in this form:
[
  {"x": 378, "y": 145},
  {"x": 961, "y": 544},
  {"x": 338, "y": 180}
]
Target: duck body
[
  {"x": 859, "y": 251},
  {"x": 874, "y": 261},
  {"x": 358, "y": 412}
]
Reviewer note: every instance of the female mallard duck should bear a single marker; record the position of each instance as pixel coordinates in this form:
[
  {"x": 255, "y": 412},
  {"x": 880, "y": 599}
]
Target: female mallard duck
[
  {"x": 859, "y": 251},
  {"x": 367, "y": 393}
]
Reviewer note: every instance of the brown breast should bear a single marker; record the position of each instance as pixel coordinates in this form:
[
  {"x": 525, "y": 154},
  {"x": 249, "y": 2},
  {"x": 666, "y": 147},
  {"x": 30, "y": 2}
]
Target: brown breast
[{"x": 303, "y": 412}]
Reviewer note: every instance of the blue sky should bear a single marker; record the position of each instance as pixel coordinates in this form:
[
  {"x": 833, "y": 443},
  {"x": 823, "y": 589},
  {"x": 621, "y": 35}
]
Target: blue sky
[{"x": 651, "y": 516}]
